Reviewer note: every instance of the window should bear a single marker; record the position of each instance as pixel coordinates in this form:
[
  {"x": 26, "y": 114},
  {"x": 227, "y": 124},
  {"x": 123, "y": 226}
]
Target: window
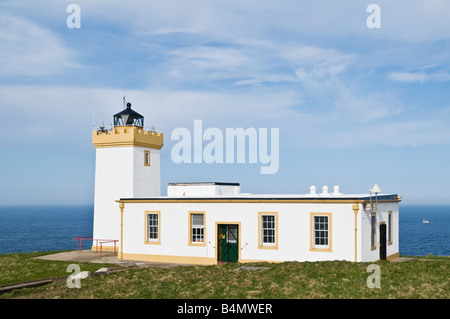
[
  {"x": 320, "y": 231},
  {"x": 389, "y": 228},
  {"x": 268, "y": 230},
  {"x": 197, "y": 228},
  {"x": 152, "y": 227},
  {"x": 373, "y": 231},
  {"x": 146, "y": 158},
  {"x": 232, "y": 234}
]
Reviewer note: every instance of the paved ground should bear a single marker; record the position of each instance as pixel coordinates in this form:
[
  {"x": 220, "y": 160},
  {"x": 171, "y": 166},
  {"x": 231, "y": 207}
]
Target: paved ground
[
  {"x": 400, "y": 259},
  {"x": 90, "y": 256}
]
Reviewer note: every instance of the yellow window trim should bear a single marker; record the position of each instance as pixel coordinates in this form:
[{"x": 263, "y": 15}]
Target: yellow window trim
[
  {"x": 311, "y": 230},
  {"x": 145, "y": 158},
  {"x": 146, "y": 240},
  {"x": 261, "y": 245},
  {"x": 390, "y": 230},
  {"x": 190, "y": 242}
]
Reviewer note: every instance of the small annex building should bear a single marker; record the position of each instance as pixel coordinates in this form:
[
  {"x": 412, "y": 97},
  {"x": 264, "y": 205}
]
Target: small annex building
[{"x": 213, "y": 222}]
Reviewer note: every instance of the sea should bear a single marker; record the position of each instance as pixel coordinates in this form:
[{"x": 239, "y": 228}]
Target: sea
[{"x": 47, "y": 228}]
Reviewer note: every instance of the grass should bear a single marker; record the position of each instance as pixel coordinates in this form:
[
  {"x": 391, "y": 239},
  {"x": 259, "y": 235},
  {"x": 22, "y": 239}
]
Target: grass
[
  {"x": 426, "y": 278},
  {"x": 16, "y": 268}
]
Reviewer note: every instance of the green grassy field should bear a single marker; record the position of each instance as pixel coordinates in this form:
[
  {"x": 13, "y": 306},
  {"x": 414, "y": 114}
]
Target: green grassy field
[{"x": 422, "y": 278}]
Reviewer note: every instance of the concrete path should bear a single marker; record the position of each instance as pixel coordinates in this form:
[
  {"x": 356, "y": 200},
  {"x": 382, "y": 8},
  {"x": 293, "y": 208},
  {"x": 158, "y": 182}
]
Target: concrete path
[
  {"x": 90, "y": 256},
  {"x": 401, "y": 259}
]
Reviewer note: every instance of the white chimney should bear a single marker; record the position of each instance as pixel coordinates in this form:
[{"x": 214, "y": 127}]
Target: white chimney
[{"x": 336, "y": 190}]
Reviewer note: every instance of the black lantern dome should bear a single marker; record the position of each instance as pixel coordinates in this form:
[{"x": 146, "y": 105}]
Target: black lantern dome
[{"x": 128, "y": 117}]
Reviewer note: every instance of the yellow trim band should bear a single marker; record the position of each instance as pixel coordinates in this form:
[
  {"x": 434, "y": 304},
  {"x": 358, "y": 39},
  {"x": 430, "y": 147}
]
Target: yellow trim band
[
  {"x": 248, "y": 200},
  {"x": 172, "y": 259},
  {"x": 121, "y": 136}
]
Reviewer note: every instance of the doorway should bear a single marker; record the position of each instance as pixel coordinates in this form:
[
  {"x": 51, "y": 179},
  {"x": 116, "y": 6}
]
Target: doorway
[
  {"x": 382, "y": 241},
  {"x": 228, "y": 243}
]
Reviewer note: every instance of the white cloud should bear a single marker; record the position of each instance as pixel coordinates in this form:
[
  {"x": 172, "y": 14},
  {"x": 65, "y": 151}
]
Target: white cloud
[
  {"x": 27, "y": 49},
  {"x": 365, "y": 107},
  {"x": 53, "y": 115},
  {"x": 207, "y": 62},
  {"x": 277, "y": 60},
  {"x": 408, "y": 77},
  {"x": 406, "y": 20},
  {"x": 422, "y": 76},
  {"x": 309, "y": 54},
  {"x": 318, "y": 69}
]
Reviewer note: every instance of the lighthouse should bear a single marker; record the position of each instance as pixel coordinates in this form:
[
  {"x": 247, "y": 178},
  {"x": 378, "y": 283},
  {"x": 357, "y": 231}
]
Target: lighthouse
[{"x": 127, "y": 164}]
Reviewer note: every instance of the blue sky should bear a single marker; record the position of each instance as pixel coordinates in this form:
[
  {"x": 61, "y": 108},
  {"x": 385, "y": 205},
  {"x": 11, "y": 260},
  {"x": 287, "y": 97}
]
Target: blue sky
[{"x": 354, "y": 106}]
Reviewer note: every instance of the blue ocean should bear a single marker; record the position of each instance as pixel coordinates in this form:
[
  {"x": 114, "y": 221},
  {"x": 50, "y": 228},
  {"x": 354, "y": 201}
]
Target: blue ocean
[{"x": 45, "y": 228}]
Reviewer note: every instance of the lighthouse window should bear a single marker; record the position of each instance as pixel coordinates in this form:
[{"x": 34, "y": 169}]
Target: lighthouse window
[{"x": 146, "y": 158}]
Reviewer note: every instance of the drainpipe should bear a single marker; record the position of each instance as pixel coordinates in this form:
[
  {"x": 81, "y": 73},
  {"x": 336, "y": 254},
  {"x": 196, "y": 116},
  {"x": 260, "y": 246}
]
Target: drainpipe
[
  {"x": 121, "y": 206},
  {"x": 356, "y": 210}
]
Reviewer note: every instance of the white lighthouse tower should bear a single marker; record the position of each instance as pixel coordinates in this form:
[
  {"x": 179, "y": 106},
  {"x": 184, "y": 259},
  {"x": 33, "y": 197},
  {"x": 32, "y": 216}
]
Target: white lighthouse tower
[{"x": 127, "y": 165}]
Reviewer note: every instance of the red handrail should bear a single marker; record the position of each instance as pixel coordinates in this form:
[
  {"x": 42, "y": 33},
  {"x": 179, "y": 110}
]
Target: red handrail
[{"x": 97, "y": 241}]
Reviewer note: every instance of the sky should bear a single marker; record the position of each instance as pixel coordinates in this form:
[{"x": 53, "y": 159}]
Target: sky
[{"x": 354, "y": 105}]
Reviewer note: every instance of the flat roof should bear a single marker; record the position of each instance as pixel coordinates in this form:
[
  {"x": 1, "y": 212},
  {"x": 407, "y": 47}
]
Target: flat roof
[
  {"x": 270, "y": 197},
  {"x": 204, "y": 183}
]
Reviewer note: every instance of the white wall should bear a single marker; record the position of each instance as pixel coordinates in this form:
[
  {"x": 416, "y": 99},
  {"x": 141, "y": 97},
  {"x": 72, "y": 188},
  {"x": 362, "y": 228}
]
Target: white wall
[
  {"x": 201, "y": 190},
  {"x": 382, "y": 216},
  {"x": 113, "y": 179},
  {"x": 146, "y": 179},
  {"x": 120, "y": 173},
  {"x": 293, "y": 230}
]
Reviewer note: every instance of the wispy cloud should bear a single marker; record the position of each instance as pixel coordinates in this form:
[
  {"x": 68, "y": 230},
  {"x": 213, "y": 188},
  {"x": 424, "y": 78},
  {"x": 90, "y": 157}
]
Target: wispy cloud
[
  {"x": 420, "y": 76},
  {"x": 27, "y": 49},
  {"x": 408, "y": 77},
  {"x": 210, "y": 62}
]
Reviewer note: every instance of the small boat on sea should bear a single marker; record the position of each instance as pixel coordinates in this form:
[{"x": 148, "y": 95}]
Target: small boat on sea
[{"x": 425, "y": 221}]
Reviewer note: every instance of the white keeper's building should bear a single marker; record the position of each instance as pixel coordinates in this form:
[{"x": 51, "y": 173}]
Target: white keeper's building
[{"x": 210, "y": 223}]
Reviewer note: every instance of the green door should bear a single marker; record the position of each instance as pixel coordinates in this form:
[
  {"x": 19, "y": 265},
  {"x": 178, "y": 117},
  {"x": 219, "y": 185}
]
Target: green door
[{"x": 228, "y": 243}]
